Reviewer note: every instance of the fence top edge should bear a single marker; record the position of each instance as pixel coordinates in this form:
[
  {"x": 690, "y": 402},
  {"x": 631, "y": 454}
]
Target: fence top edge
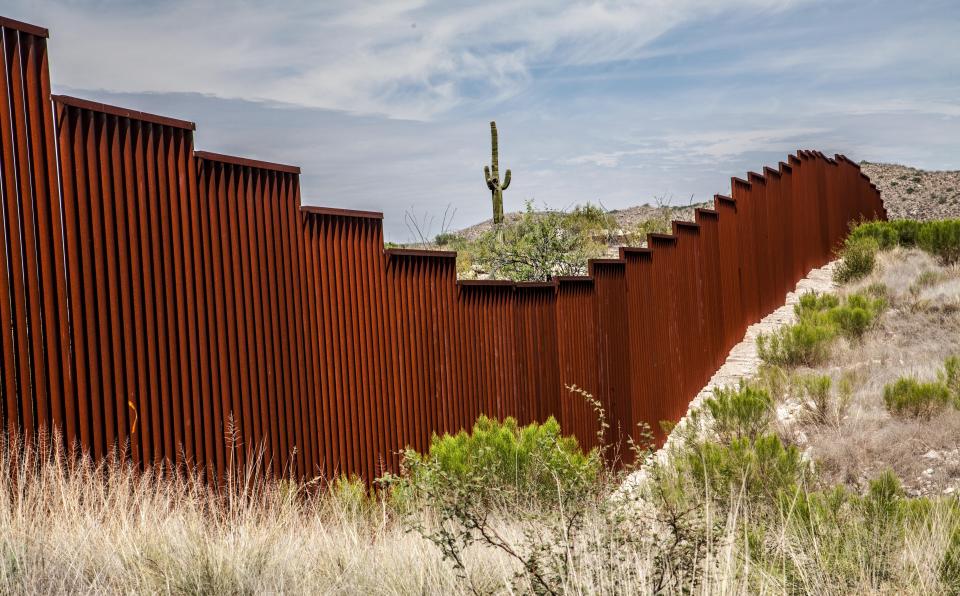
[
  {"x": 735, "y": 180},
  {"x": 573, "y": 279},
  {"x": 755, "y": 177},
  {"x": 490, "y": 283},
  {"x": 770, "y": 172},
  {"x": 679, "y": 224},
  {"x": 660, "y": 237},
  {"x": 634, "y": 250},
  {"x": 422, "y": 253},
  {"x": 246, "y": 162},
  {"x": 335, "y": 211},
  {"x": 535, "y": 284},
  {"x": 705, "y": 212},
  {"x": 724, "y": 199},
  {"x": 785, "y": 167},
  {"x": 95, "y": 106},
  {"x": 24, "y": 27}
]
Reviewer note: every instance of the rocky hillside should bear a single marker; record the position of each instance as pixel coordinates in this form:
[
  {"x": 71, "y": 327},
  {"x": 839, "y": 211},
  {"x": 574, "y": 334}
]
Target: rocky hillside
[{"x": 911, "y": 193}]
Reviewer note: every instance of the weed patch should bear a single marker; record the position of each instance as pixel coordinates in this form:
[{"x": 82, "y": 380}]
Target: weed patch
[{"x": 821, "y": 319}]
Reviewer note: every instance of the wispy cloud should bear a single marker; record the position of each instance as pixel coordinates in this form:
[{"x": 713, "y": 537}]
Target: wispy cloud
[
  {"x": 404, "y": 59},
  {"x": 385, "y": 104}
]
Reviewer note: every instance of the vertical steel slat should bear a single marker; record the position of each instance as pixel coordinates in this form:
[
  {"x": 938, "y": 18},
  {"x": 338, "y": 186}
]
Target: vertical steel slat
[
  {"x": 47, "y": 330},
  {"x": 8, "y": 303},
  {"x": 111, "y": 341},
  {"x": 19, "y": 230},
  {"x": 129, "y": 325}
]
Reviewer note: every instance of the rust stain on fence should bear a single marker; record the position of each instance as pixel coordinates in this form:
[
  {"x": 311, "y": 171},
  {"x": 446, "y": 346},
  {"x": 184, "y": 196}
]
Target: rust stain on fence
[{"x": 184, "y": 303}]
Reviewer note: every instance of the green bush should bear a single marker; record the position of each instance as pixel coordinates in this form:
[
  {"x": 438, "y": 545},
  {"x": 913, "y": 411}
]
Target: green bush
[
  {"x": 538, "y": 245},
  {"x": 759, "y": 471},
  {"x": 950, "y": 564},
  {"x": 941, "y": 237},
  {"x": 817, "y": 390},
  {"x": 883, "y": 233},
  {"x": 858, "y": 259},
  {"x": 909, "y": 397},
  {"x": 503, "y": 460},
  {"x": 822, "y": 318},
  {"x": 855, "y": 316},
  {"x": 950, "y": 377},
  {"x": 447, "y": 239},
  {"x": 801, "y": 344},
  {"x": 741, "y": 412},
  {"x": 854, "y": 535}
]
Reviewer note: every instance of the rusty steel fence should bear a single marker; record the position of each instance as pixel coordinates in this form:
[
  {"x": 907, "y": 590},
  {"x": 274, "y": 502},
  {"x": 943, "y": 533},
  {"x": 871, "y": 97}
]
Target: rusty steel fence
[{"x": 184, "y": 306}]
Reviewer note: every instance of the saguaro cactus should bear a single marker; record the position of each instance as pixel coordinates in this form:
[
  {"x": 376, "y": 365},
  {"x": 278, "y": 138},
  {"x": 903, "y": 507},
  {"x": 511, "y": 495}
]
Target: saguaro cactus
[{"x": 493, "y": 177}]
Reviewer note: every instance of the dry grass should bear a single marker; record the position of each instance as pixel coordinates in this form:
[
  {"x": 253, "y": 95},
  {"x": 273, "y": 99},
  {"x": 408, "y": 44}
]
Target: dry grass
[
  {"x": 67, "y": 526},
  {"x": 912, "y": 338}
]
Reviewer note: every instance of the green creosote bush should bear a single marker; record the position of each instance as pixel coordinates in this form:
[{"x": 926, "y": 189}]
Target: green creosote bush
[
  {"x": 856, "y": 537},
  {"x": 740, "y": 412},
  {"x": 503, "y": 461},
  {"x": 821, "y": 319},
  {"x": 855, "y": 316},
  {"x": 859, "y": 256},
  {"x": 538, "y": 245},
  {"x": 816, "y": 388},
  {"x": 939, "y": 237},
  {"x": 910, "y": 398},
  {"x": 950, "y": 377},
  {"x": 447, "y": 239},
  {"x": 743, "y": 459},
  {"x": 531, "y": 476}
]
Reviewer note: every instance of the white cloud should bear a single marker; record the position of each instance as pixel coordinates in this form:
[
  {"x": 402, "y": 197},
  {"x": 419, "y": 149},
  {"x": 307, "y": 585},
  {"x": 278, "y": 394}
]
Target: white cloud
[{"x": 404, "y": 59}]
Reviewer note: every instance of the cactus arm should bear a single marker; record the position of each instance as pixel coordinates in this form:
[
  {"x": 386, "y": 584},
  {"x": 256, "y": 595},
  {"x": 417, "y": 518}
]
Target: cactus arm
[
  {"x": 486, "y": 176},
  {"x": 506, "y": 181}
]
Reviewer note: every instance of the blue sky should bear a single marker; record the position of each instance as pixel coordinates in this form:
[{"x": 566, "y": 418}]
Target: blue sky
[{"x": 385, "y": 105}]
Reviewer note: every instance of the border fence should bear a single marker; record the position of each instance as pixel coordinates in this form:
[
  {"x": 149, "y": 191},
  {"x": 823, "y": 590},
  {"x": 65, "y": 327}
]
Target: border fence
[{"x": 185, "y": 305}]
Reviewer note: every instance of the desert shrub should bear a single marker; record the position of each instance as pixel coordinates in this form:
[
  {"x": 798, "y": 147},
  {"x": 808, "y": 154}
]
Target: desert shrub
[
  {"x": 949, "y": 567},
  {"x": 759, "y": 470},
  {"x": 816, "y": 389},
  {"x": 503, "y": 461},
  {"x": 855, "y": 316},
  {"x": 539, "y": 245},
  {"x": 858, "y": 258},
  {"x": 908, "y": 397},
  {"x": 941, "y": 238},
  {"x": 883, "y": 233},
  {"x": 774, "y": 379},
  {"x": 447, "y": 239},
  {"x": 803, "y": 343},
  {"x": 740, "y": 412},
  {"x": 950, "y": 377},
  {"x": 821, "y": 319},
  {"x": 857, "y": 537}
]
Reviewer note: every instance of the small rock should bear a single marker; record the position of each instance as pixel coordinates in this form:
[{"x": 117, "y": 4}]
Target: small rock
[
  {"x": 949, "y": 490},
  {"x": 932, "y": 454},
  {"x": 928, "y": 472}
]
